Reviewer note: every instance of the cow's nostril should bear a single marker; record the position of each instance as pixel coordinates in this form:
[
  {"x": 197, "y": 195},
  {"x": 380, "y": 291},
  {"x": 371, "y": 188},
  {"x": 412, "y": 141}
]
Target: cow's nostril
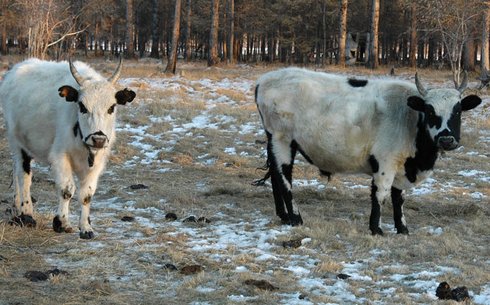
[
  {"x": 448, "y": 143},
  {"x": 99, "y": 142}
]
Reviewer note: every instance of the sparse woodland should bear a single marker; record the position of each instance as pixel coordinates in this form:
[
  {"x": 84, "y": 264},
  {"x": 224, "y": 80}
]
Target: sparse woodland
[{"x": 424, "y": 33}]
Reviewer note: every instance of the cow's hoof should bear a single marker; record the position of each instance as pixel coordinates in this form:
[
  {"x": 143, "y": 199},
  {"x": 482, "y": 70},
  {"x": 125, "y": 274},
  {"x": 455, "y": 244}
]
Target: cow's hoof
[
  {"x": 23, "y": 221},
  {"x": 293, "y": 220},
  {"x": 377, "y": 231},
  {"x": 403, "y": 230},
  {"x": 58, "y": 226},
  {"x": 87, "y": 235}
]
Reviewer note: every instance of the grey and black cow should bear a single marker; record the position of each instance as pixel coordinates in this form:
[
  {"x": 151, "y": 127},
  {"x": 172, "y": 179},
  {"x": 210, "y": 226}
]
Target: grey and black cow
[
  {"x": 62, "y": 114},
  {"x": 392, "y": 130}
]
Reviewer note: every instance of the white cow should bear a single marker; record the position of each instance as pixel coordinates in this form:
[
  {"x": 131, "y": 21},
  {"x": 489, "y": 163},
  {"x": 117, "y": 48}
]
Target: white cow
[
  {"x": 390, "y": 129},
  {"x": 64, "y": 115}
]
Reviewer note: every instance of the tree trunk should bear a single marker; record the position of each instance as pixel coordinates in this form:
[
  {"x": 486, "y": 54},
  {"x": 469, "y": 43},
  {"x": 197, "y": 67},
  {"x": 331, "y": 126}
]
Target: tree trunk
[
  {"x": 485, "y": 53},
  {"x": 469, "y": 55},
  {"x": 3, "y": 36},
  {"x": 342, "y": 33},
  {"x": 231, "y": 30},
  {"x": 130, "y": 28},
  {"x": 213, "y": 58},
  {"x": 155, "y": 31},
  {"x": 188, "y": 23},
  {"x": 413, "y": 35},
  {"x": 172, "y": 58},
  {"x": 373, "y": 46}
]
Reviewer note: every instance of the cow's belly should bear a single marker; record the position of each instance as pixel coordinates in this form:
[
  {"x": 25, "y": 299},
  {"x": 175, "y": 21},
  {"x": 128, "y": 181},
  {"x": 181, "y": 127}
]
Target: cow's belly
[{"x": 37, "y": 140}]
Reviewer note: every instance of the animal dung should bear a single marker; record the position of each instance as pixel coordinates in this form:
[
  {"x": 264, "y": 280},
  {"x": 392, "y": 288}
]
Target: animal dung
[
  {"x": 191, "y": 269},
  {"x": 39, "y": 276},
  {"x": 261, "y": 284},
  {"x": 138, "y": 186},
  {"x": 459, "y": 294},
  {"x": 127, "y": 218},
  {"x": 171, "y": 216}
]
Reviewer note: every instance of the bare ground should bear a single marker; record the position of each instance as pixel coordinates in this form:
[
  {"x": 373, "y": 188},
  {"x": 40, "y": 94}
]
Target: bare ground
[{"x": 206, "y": 172}]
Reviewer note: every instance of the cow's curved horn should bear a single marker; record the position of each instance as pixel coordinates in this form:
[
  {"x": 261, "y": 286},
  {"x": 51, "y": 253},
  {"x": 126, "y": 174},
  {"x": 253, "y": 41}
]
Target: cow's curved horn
[
  {"x": 75, "y": 73},
  {"x": 464, "y": 83},
  {"x": 116, "y": 74},
  {"x": 420, "y": 87}
]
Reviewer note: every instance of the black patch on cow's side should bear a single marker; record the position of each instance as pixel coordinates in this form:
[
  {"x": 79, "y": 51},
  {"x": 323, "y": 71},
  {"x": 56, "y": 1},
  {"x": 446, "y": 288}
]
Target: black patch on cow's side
[
  {"x": 77, "y": 131},
  {"x": 426, "y": 154},
  {"x": 373, "y": 163},
  {"x": 357, "y": 82},
  {"x": 26, "y": 162},
  {"x": 125, "y": 96}
]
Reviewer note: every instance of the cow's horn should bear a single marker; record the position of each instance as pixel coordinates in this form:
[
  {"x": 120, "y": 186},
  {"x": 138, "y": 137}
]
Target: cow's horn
[
  {"x": 420, "y": 87},
  {"x": 116, "y": 74},
  {"x": 75, "y": 73},
  {"x": 464, "y": 83}
]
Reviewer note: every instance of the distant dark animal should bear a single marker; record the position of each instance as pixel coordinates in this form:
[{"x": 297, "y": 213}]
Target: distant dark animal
[
  {"x": 64, "y": 115},
  {"x": 392, "y": 130}
]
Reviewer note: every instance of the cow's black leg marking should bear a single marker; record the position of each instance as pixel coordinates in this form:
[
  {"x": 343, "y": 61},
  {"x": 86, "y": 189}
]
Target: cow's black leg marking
[
  {"x": 375, "y": 212},
  {"x": 397, "y": 200},
  {"x": 26, "y": 162},
  {"x": 287, "y": 171},
  {"x": 275, "y": 180},
  {"x": 282, "y": 193}
]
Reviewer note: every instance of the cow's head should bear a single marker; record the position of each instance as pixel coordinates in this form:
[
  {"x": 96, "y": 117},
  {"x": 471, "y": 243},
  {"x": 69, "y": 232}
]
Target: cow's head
[
  {"x": 441, "y": 109},
  {"x": 96, "y": 102}
]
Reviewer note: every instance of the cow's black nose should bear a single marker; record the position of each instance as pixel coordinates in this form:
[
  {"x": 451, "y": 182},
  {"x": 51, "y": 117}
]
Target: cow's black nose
[
  {"x": 99, "y": 141},
  {"x": 447, "y": 143}
]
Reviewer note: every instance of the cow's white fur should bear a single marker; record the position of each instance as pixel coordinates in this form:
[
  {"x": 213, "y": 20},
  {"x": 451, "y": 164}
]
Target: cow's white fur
[
  {"x": 41, "y": 122},
  {"x": 339, "y": 126}
]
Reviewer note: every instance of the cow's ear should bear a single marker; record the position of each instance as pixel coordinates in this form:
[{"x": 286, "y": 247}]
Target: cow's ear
[
  {"x": 416, "y": 103},
  {"x": 470, "y": 102},
  {"x": 125, "y": 96},
  {"x": 69, "y": 93}
]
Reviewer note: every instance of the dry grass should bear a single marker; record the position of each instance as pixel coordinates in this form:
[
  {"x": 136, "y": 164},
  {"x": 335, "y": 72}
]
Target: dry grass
[{"x": 126, "y": 262}]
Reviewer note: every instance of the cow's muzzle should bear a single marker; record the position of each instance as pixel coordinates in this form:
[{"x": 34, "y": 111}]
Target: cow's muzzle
[
  {"x": 447, "y": 143},
  {"x": 96, "y": 140}
]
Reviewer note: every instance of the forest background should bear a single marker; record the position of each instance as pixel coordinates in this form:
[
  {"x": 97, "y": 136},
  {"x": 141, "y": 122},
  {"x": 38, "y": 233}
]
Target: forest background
[{"x": 423, "y": 33}]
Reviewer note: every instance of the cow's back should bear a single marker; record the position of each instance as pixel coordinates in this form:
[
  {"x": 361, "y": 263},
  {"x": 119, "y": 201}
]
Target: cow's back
[{"x": 337, "y": 122}]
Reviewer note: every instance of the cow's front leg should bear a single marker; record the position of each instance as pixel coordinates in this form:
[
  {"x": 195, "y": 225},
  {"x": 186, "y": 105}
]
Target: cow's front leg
[
  {"x": 87, "y": 190},
  {"x": 381, "y": 185},
  {"x": 398, "y": 216},
  {"x": 66, "y": 190}
]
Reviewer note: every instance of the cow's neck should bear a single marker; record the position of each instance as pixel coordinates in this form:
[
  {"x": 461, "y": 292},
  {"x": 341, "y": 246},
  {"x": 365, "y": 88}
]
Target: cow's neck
[{"x": 426, "y": 152}]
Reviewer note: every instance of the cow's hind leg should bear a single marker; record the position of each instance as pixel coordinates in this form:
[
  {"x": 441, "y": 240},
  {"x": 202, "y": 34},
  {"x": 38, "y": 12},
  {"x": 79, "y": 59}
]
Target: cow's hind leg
[
  {"x": 280, "y": 158},
  {"x": 398, "y": 216},
  {"x": 23, "y": 201}
]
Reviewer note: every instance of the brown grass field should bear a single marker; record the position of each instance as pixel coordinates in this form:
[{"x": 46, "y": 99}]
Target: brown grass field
[{"x": 239, "y": 256}]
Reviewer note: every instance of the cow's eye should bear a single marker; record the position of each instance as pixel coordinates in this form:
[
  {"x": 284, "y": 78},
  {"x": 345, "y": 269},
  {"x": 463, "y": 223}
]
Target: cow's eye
[
  {"x": 111, "y": 109},
  {"x": 83, "y": 109}
]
